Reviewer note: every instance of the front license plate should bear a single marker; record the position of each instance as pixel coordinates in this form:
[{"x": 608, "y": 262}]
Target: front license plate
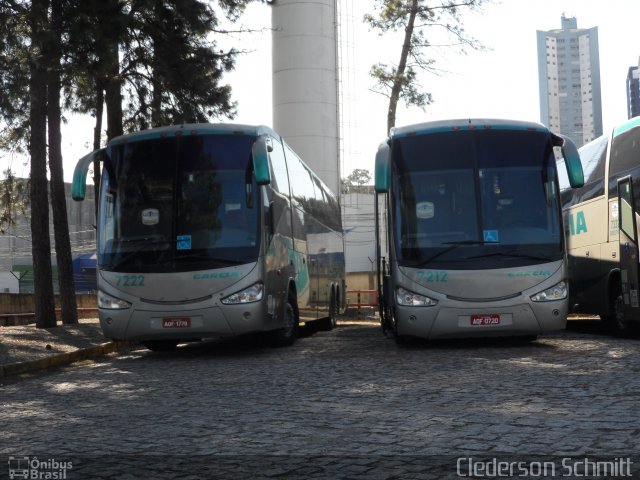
[
  {"x": 181, "y": 322},
  {"x": 480, "y": 320}
]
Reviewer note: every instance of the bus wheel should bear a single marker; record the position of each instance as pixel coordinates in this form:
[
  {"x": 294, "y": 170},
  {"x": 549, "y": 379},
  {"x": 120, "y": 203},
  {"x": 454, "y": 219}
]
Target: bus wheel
[
  {"x": 161, "y": 345},
  {"x": 331, "y": 321},
  {"x": 617, "y": 322},
  {"x": 285, "y": 336},
  {"x": 393, "y": 328},
  {"x": 386, "y": 321}
]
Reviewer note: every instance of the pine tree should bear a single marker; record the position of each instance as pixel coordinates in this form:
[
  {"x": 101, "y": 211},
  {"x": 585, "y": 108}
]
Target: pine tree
[
  {"x": 416, "y": 18},
  {"x": 41, "y": 249},
  {"x": 53, "y": 55},
  {"x": 170, "y": 72}
]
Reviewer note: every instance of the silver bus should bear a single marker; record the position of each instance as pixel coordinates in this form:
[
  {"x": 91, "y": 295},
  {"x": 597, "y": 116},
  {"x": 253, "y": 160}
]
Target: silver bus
[
  {"x": 212, "y": 230},
  {"x": 475, "y": 238},
  {"x": 601, "y": 226}
]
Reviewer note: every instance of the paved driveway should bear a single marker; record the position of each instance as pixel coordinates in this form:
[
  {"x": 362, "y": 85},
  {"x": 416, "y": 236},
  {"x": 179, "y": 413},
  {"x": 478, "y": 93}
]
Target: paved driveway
[{"x": 342, "y": 404}]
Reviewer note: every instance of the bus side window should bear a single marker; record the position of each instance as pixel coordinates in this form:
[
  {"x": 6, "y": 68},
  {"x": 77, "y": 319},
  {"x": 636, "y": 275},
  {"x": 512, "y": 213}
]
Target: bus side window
[
  {"x": 593, "y": 157},
  {"x": 566, "y": 193},
  {"x": 279, "y": 215},
  {"x": 279, "y": 168},
  {"x": 625, "y": 151},
  {"x": 302, "y": 189}
]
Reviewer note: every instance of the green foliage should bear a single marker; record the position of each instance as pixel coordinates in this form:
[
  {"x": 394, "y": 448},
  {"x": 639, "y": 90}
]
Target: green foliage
[
  {"x": 14, "y": 199},
  {"x": 14, "y": 76},
  {"x": 359, "y": 177},
  {"x": 356, "y": 179},
  {"x": 170, "y": 69},
  {"x": 150, "y": 61},
  {"x": 173, "y": 72},
  {"x": 386, "y": 76}
]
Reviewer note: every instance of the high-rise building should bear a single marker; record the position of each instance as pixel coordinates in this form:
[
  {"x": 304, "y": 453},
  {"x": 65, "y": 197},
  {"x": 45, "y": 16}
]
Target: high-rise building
[
  {"x": 633, "y": 91},
  {"x": 569, "y": 79}
]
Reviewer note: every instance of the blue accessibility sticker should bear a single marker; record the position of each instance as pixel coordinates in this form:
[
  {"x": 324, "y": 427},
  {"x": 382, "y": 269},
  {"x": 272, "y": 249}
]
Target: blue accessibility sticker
[
  {"x": 491, "y": 236},
  {"x": 184, "y": 242}
]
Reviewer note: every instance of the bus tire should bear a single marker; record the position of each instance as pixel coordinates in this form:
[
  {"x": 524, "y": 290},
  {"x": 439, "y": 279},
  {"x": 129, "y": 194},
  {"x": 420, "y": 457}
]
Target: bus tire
[
  {"x": 331, "y": 321},
  {"x": 401, "y": 340},
  {"x": 161, "y": 345},
  {"x": 283, "y": 337},
  {"x": 616, "y": 321},
  {"x": 386, "y": 321}
]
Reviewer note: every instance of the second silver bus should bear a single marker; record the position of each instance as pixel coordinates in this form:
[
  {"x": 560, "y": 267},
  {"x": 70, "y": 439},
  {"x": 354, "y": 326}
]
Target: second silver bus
[{"x": 476, "y": 244}]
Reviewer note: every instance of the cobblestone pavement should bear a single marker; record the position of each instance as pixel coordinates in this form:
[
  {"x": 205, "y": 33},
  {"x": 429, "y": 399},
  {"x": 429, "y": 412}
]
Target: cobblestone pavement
[
  {"x": 25, "y": 348},
  {"x": 342, "y": 404}
]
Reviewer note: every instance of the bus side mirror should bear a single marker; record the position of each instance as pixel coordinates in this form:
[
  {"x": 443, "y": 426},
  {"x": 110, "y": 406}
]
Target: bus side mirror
[
  {"x": 79, "y": 185},
  {"x": 260, "y": 154},
  {"x": 382, "y": 168},
  {"x": 571, "y": 160}
]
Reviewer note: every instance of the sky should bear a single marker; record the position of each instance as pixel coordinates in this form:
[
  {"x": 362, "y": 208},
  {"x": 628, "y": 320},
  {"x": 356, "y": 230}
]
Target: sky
[{"x": 501, "y": 82}]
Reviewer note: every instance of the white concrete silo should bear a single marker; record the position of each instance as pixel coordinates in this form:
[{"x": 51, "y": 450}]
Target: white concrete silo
[{"x": 305, "y": 83}]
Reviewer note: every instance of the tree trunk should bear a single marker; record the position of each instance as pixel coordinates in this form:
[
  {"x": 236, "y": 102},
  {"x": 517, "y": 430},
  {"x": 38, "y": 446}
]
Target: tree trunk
[
  {"x": 156, "y": 105},
  {"x": 156, "y": 91},
  {"x": 97, "y": 137},
  {"x": 394, "y": 98},
  {"x": 113, "y": 92},
  {"x": 41, "y": 245},
  {"x": 58, "y": 198}
]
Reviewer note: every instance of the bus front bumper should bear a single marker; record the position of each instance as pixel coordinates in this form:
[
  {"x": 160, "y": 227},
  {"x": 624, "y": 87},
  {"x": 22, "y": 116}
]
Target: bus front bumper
[
  {"x": 141, "y": 325},
  {"x": 489, "y": 321}
]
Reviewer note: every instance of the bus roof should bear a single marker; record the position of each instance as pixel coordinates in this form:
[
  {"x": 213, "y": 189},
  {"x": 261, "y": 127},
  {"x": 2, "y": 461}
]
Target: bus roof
[
  {"x": 190, "y": 129},
  {"x": 626, "y": 126},
  {"x": 465, "y": 124}
]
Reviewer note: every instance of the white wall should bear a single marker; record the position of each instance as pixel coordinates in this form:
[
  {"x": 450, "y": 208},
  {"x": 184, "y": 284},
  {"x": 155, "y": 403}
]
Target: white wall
[
  {"x": 9, "y": 283},
  {"x": 358, "y": 223}
]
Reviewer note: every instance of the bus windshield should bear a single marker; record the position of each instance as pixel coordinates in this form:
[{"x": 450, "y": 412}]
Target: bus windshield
[
  {"x": 178, "y": 204},
  {"x": 462, "y": 199}
]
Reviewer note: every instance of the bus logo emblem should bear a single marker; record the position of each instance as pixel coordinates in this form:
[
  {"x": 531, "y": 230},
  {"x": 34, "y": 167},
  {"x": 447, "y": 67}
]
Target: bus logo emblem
[
  {"x": 19, "y": 467},
  {"x": 150, "y": 216}
]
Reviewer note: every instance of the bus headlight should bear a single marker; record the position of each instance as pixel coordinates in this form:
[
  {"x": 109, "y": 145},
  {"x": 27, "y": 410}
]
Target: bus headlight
[
  {"x": 558, "y": 292},
  {"x": 249, "y": 295},
  {"x": 111, "y": 303},
  {"x": 405, "y": 297}
]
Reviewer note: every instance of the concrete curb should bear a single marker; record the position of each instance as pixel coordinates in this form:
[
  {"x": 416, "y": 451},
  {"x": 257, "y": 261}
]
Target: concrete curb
[{"x": 64, "y": 358}]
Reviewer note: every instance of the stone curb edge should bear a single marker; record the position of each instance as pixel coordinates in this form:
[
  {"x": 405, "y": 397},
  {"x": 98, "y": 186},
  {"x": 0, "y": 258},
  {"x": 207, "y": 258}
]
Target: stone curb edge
[{"x": 66, "y": 358}]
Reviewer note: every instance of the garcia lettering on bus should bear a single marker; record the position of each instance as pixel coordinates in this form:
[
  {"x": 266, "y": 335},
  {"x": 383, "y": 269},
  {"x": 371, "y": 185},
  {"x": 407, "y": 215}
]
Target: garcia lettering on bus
[
  {"x": 541, "y": 273},
  {"x": 577, "y": 223}
]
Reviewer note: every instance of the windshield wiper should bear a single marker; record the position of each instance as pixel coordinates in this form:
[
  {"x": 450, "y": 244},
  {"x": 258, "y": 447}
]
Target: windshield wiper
[
  {"x": 453, "y": 246},
  {"x": 123, "y": 256},
  {"x": 511, "y": 254}
]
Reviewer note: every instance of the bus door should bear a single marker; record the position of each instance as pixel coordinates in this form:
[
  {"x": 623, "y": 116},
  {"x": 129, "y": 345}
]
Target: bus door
[{"x": 628, "y": 248}]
